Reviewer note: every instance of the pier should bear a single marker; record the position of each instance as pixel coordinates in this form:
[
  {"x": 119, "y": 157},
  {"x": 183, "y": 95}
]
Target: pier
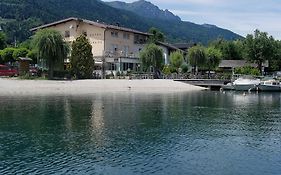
[{"x": 213, "y": 84}]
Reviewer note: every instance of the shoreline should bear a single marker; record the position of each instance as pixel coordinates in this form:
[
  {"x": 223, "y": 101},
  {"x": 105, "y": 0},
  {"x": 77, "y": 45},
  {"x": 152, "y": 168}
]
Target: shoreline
[{"x": 83, "y": 87}]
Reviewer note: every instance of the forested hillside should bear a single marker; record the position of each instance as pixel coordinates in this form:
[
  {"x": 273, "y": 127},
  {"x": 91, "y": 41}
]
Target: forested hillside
[{"x": 18, "y": 16}]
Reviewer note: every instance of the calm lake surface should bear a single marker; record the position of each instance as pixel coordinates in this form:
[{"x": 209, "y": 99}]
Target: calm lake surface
[{"x": 180, "y": 133}]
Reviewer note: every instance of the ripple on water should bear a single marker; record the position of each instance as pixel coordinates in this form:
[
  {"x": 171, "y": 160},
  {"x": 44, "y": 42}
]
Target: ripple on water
[{"x": 175, "y": 134}]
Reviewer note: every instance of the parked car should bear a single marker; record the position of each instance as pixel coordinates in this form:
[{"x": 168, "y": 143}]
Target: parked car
[{"x": 7, "y": 71}]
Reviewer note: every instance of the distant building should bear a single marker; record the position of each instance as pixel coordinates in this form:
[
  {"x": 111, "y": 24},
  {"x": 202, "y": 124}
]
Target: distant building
[
  {"x": 114, "y": 48},
  {"x": 167, "y": 50},
  {"x": 230, "y": 65},
  {"x": 184, "y": 46}
]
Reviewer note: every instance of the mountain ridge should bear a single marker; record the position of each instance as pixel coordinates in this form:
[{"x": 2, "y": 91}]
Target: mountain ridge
[
  {"x": 18, "y": 16},
  {"x": 145, "y": 9}
]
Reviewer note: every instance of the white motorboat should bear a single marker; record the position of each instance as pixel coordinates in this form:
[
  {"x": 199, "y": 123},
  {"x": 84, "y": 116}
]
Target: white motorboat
[
  {"x": 270, "y": 85},
  {"x": 228, "y": 86},
  {"x": 246, "y": 83}
]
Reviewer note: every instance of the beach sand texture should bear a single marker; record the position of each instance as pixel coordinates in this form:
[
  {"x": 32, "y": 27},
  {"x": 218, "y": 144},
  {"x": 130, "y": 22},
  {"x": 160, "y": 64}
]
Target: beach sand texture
[{"x": 80, "y": 87}]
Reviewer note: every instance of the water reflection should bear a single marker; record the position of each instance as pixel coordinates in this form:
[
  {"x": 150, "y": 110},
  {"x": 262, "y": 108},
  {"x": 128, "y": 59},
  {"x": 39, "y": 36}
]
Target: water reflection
[{"x": 181, "y": 133}]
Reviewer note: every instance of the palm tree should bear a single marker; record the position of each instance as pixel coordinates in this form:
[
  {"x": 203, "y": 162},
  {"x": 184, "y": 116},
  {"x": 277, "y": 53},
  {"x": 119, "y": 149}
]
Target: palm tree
[{"x": 52, "y": 48}]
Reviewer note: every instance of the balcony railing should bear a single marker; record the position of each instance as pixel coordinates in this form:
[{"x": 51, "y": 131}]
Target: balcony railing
[{"x": 118, "y": 54}]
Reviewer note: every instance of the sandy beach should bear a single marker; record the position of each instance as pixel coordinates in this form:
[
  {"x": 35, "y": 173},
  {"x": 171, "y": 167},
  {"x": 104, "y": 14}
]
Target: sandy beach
[{"x": 83, "y": 87}]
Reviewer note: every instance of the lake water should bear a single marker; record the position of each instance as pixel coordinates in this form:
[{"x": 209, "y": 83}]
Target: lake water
[{"x": 181, "y": 133}]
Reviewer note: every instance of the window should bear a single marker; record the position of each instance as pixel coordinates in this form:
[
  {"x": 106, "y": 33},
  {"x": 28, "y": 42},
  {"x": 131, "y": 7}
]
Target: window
[
  {"x": 114, "y": 34},
  {"x": 114, "y": 47},
  {"x": 67, "y": 34},
  {"x": 126, "y": 50},
  {"x": 126, "y": 36},
  {"x": 112, "y": 66},
  {"x": 139, "y": 39},
  {"x": 128, "y": 66}
]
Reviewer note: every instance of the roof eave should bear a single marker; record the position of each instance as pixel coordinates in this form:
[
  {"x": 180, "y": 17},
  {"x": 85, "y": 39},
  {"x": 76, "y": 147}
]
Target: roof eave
[{"x": 54, "y": 23}]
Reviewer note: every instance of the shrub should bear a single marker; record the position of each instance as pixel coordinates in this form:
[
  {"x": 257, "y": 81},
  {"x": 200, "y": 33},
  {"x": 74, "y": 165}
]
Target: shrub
[
  {"x": 247, "y": 70},
  {"x": 184, "y": 67},
  {"x": 166, "y": 70}
]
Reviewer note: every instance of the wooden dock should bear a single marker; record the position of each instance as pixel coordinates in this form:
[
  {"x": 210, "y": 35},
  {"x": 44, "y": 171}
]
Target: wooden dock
[{"x": 213, "y": 84}]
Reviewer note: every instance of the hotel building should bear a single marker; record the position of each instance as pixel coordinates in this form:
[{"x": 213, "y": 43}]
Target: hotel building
[{"x": 114, "y": 48}]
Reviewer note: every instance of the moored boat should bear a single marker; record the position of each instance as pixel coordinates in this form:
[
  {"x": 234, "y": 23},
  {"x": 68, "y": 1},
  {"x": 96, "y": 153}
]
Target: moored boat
[
  {"x": 246, "y": 84},
  {"x": 270, "y": 85},
  {"x": 228, "y": 86}
]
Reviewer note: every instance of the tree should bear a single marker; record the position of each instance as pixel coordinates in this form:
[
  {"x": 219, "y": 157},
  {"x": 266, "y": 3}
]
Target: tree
[
  {"x": 213, "y": 58},
  {"x": 152, "y": 56},
  {"x": 184, "y": 67},
  {"x": 197, "y": 56},
  {"x": 20, "y": 52},
  {"x": 231, "y": 50},
  {"x": 3, "y": 40},
  {"x": 259, "y": 48},
  {"x": 7, "y": 55},
  {"x": 157, "y": 35},
  {"x": 1, "y": 59},
  {"x": 52, "y": 48},
  {"x": 33, "y": 55},
  {"x": 82, "y": 60},
  {"x": 275, "y": 62},
  {"x": 176, "y": 59}
]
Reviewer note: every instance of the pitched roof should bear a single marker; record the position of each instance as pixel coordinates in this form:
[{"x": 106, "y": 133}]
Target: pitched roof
[
  {"x": 24, "y": 59},
  {"x": 238, "y": 63},
  {"x": 170, "y": 46},
  {"x": 101, "y": 25},
  {"x": 184, "y": 46}
]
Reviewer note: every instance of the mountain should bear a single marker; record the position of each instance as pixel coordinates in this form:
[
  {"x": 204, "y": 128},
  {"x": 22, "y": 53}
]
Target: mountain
[
  {"x": 18, "y": 16},
  {"x": 172, "y": 25},
  {"x": 145, "y": 9}
]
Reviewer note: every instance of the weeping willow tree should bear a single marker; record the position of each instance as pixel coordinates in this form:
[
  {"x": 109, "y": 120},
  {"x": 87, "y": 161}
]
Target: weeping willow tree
[
  {"x": 197, "y": 57},
  {"x": 152, "y": 56},
  {"x": 213, "y": 58},
  {"x": 52, "y": 48},
  {"x": 176, "y": 59}
]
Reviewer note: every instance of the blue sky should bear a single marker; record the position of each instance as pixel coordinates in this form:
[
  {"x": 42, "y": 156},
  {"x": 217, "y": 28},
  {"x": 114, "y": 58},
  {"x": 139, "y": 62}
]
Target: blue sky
[{"x": 239, "y": 16}]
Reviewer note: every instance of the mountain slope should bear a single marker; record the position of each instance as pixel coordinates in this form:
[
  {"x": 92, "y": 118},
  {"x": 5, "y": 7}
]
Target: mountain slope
[
  {"x": 18, "y": 16},
  {"x": 145, "y": 9},
  {"x": 172, "y": 25},
  {"x": 25, "y": 14}
]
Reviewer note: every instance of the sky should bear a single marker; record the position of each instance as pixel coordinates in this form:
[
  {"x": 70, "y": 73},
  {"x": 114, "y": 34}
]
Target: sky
[{"x": 239, "y": 16}]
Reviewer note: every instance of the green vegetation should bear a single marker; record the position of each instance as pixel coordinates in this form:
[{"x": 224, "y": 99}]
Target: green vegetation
[
  {"x": 197, "y": 57},
  {"x": 3, "y": 40},
  {"x": 20, "y": 52},
  {"x": 19, "y": 16},
  {"x": 51, "y": 48},
  {"x": 176, "y": 60},
  {"x": 152, "y": 56},
  {"x": 175, "y": 29},
  {"x": 7, "y": 55},
  {"x": 166, "y": 70},
  {"x": 259, "y": 48},
  {"x": 247, "y": 70},
  {"x": 230, "y": 50},
  {"x": 213, "y": 58},
  {"x": 157, "y": 35},
  {"x": 184, "y": 68},
  {"x": 82, "y": 61}
]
